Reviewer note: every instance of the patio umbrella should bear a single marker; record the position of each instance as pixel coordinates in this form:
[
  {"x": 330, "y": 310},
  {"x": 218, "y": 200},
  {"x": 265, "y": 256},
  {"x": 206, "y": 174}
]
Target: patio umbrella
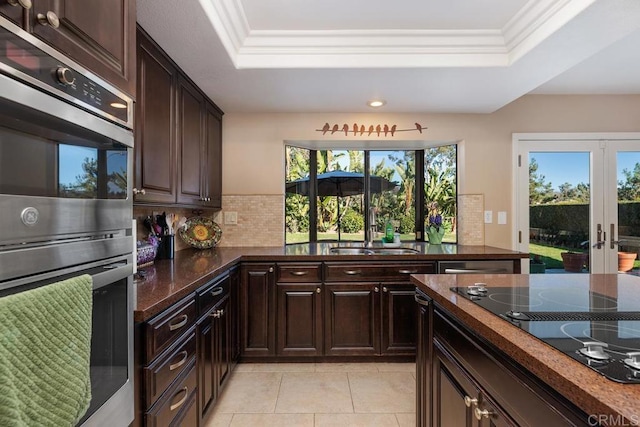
[{"x": 340, "y": 184}]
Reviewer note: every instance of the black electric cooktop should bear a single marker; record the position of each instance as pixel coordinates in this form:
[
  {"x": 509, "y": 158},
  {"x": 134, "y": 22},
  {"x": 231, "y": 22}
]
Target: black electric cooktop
[{"x": 600, "y": 331}]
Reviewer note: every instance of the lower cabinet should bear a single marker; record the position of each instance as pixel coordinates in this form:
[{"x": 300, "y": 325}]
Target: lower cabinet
[
  {"x": 351, "y": 319},
  {"x": 424, "y": 335},
  {"x": 258, "y": 307},
  {"x": 214, "y": 341},
  {"x": 299, "y": 323},
  {"x": 463, "y": 380},
  {"x": 186, "y": 355}
]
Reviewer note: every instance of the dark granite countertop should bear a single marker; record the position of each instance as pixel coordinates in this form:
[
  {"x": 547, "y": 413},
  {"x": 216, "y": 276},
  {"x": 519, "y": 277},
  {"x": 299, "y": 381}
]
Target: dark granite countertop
[
  {"x": 168, "y": 281},
  {"x": 587, "y": 389}
]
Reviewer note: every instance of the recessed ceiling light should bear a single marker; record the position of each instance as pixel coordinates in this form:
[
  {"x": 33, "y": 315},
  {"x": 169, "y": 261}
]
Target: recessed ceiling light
[{"x": 376, "y": 103}]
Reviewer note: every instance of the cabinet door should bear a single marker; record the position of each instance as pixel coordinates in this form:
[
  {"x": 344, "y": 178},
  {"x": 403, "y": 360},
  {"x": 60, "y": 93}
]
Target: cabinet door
[
  {"x": 299, "y": 327},
  {"x": 155, "y": 154},
  {"x": 234, "y": 313},
  {"x": 212, "y": 166},
  {"x": 423, "y": 360},
  {"x": 457, "y": 400},
  {"x": 450, "y": 389},
  {"x": 206, "y": 367},
  {"x": 15, "y": 14},
  {"x": 398, "y": 319},
  {"x": 99, "y": 34},
  {"x": 257, "y": 295},
  {"x": 352, "y": 319},
  {"x": 222, "y": 348},
  {"x": 190, "y": 143}
]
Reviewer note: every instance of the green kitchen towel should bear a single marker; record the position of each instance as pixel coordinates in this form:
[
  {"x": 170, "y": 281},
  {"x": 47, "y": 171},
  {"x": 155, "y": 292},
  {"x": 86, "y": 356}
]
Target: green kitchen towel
[{"x": 45, "y": 345}]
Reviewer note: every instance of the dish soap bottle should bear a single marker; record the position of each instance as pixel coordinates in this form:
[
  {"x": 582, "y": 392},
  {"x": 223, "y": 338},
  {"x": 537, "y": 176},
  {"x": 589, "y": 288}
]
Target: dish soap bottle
[{"x": 388, "y": 232}]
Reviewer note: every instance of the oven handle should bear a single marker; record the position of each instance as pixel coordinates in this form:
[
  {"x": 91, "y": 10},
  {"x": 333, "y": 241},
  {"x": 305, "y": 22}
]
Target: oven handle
[{"x": 111, "y": 273}]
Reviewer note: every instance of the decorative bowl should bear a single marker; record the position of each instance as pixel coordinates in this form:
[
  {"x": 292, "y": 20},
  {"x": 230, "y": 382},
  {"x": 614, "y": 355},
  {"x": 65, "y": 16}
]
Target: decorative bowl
[{"x": 200, "y": 233}]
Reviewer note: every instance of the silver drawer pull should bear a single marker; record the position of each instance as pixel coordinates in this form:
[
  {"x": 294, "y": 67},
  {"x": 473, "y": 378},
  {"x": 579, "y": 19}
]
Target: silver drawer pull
[
  {"x": 298, "y": 273},
  {"x": 420, "y": 300},
  {"x": 181, "y": 401},
  {"x": 407, "y": 271},
  {"x": 179, "y": 324},
  {"x": 181, "y": 362},
  {"x": 217, "y": 291},
  {"x": 352, "y": 272}
]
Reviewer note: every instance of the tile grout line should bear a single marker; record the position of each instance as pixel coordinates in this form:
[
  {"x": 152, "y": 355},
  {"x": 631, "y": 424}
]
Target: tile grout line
[
  {"x": 275, "y": 406},
  {"x": 353, "y": 406}
]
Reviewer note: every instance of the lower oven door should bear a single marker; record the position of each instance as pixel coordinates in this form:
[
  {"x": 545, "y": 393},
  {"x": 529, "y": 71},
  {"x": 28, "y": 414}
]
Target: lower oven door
[{"x": 111, "y": 361}]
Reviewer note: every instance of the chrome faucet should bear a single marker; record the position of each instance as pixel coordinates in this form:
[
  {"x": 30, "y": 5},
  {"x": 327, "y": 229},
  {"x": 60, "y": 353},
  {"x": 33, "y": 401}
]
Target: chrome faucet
[{"x": 372, "y": 228}]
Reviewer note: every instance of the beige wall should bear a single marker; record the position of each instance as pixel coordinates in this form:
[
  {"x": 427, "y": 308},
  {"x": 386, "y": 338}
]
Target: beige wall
[{"x": 253, "y": 150}]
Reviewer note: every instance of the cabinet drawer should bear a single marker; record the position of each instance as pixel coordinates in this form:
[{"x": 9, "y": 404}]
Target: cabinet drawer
[
  {"x": 163, "y": 329},
  {"x": 175, "y": 401},
  {"x": 167, "y": 367},
  {"x": 307, "y": 272},
  {"x": 356, "y": 272},
  {"x": 212, "y": 293}
]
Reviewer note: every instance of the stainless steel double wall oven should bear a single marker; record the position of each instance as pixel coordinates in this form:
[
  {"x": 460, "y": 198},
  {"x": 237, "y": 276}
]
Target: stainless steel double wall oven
[{"x": 66, "y": 161}]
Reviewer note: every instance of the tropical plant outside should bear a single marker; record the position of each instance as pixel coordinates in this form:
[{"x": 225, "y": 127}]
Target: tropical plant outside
[{"x": 397, "y": 205}]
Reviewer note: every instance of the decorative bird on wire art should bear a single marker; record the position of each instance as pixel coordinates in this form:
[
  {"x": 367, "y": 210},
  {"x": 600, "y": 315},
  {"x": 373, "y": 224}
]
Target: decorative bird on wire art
[{"x": 378, "y": 129}]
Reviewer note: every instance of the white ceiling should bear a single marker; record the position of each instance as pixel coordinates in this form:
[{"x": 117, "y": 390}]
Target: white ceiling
[{"x": 418, "y": 55}]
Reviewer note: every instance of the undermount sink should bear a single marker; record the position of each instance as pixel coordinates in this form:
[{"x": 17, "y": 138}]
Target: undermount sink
[
  {"x": 394, "y": 251},
  {"x": 350, "y": 251},
  {"x": 341, "y": 250}
]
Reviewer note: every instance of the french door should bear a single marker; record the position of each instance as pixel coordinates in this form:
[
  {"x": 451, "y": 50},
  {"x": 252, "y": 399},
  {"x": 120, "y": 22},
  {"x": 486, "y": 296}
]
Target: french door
[{"x": 578, "y": 192}]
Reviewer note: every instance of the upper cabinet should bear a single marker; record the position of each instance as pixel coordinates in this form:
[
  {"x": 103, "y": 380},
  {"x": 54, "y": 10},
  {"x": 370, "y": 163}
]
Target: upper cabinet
[
  {"x": 98, "y": 34},
  {"x": 178, "y": 157},
  {"x": 15, "y": 10},
  {"x": 155, "y": 153}
]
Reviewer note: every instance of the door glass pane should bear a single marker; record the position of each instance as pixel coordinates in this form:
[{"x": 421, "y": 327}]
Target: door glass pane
[
  {"x": 296, "y": 195},
  {"x": 628, "y": 177},
  {"x": 393, "y": 191},
  {"x": 340, "y": 201},
  {"x": 440, "y": 189},
  {"x": 559, "y": 211}
]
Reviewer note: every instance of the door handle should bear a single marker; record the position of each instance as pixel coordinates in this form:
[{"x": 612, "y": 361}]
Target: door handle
[
  {"x": 600, "y": 239},
  {"x": 614, "y": 242}
]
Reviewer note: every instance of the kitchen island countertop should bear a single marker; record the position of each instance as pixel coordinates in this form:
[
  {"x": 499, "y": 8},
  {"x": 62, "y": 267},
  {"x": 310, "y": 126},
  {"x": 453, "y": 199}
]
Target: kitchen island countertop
[
  {"x": 587, "y": 389},
  {"x": 167, "y": 281}
]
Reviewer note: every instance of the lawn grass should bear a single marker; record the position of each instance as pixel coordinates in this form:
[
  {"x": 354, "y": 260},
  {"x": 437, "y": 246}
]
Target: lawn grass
[
  {"x": 548, "y": 254},
  {"x": 552, "y": 258},
  {"x": 357, "y": 237}
]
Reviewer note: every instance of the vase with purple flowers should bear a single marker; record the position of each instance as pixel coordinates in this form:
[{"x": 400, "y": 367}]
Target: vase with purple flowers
[{"x": 434, "y": 229}]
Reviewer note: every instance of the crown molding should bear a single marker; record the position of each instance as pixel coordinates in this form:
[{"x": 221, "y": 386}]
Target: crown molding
[{"x": 267, "y": 49}]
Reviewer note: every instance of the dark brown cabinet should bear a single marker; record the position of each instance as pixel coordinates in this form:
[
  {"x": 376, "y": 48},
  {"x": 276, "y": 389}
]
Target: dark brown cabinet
[
  {"x": 351, "y": 319},
  {"x": 155, "y": 153},
  {"x": 190, "y": 143},
  {"x": 99, "y": 34},
  {"x": 15, "y": 11},
  {"x": 178, "y": 135},
  {"x": 299, "y": 309},
  {"x": 424, "y": 336},
  {"x": 258, "y": 306},
  {"x": 370, "y": 309},
  {"x": 463, "y": 380},
  {"x": 398, "y": 324},
  {"x": 214, "y": 340}
]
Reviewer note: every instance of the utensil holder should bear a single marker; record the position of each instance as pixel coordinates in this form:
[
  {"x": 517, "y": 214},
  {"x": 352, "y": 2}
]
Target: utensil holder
[{"x": 167, "y": 247}]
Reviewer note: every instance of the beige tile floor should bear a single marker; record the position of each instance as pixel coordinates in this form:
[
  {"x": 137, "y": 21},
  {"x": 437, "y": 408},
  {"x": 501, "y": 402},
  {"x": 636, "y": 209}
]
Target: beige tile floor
[{"x": 318, "y": 395}]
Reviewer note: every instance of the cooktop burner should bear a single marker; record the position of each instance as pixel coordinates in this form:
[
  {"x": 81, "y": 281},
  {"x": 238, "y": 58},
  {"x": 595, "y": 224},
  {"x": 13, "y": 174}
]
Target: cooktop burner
[{"x": 599, "y": 331}]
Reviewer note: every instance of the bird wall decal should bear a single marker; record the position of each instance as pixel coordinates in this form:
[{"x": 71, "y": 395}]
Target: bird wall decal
[{"x": 378, "y": 129}]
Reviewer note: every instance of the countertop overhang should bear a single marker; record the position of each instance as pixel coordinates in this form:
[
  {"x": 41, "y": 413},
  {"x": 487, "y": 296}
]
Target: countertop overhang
[
  {"x": 590, "y": 391},
  {"x": 168, "y": 281}
]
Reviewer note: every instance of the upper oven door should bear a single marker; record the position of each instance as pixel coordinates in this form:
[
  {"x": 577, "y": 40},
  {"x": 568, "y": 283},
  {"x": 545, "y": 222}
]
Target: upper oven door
[{"x": 64, "y": 172}]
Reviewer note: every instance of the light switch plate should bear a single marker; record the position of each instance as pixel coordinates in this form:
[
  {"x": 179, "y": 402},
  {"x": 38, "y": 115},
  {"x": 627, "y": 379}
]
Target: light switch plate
[
  {"x": 488, "y": 217},
  {"x": 231, "y": 218},
  {"x": 502, "y": 217}
]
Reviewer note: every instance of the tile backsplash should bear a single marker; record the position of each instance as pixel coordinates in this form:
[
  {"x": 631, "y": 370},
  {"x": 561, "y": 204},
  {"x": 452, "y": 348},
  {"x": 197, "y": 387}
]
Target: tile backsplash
[{"x": 260, "y": 220}]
